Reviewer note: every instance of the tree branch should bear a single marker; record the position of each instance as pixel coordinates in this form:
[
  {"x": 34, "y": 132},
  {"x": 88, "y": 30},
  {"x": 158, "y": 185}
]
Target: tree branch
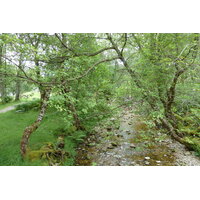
[{"x": 82, "y": 54}]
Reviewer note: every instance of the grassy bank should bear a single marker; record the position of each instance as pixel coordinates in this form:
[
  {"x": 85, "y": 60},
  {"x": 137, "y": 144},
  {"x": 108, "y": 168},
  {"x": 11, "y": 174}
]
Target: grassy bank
[{"x": 12, "y": 126}]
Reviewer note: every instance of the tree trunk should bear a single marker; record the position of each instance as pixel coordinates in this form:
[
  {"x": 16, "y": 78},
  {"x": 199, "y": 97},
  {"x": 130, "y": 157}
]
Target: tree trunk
[
  {"x": 2, "y": 78},
  {"x": 30, "y": 129},
  {"x": 171, "y": 130},
  {"x": 18, "y": 90},
  {"x": 72, "y": 108},
  {"x": 77, "y": 121}
]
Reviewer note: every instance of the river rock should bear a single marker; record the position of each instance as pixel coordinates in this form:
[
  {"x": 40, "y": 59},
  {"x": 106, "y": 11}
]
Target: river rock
[
  {"x": 147, "y": 158},
  {"x": 110, "y": 146},
  {"x": 146, "y": 163},
  {"x": 114, "y": 144},
  {"x": 109, "y": 128},
  {"x": 118, "y": 135},
  {"x": 187, "y": 153},
  {"x": 132, "y": 146}
]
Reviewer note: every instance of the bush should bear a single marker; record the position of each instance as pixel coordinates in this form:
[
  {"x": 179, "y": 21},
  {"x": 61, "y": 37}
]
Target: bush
[
  {"x": 193, "y": 144},
  {"x": 7, "y": 99},
  {"x": 32, "y": 105}
]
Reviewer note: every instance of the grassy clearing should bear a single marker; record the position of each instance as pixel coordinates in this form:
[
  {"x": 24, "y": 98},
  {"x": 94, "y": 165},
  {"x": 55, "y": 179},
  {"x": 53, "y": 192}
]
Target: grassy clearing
[{"x": 12, "y": 126}]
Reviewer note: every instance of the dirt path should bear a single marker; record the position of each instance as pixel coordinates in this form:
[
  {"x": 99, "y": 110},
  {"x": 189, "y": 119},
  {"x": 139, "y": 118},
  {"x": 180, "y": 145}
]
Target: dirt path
[
  {"x": 132, "y": 144},
  {"x": 7, "y": 109}
]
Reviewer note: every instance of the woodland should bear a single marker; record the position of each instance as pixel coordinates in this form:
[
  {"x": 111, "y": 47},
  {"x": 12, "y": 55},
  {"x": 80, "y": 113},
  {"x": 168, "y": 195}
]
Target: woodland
[{"x": 68, "y": 98}]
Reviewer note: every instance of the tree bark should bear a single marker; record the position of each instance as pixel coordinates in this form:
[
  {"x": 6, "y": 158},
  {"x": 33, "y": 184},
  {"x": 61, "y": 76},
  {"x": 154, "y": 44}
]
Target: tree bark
[
  {"x": 30, "y": 129},
  {"x": 2, "y": 78},
  {"x": 77, "y": 121},
  {"x": 72, "y": 108},
  {"x": 18, "y": 90},
  {"x": 171, "y": 130}
]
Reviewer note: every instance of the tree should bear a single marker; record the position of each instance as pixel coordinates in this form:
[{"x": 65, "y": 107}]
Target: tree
[
  {"x": 51, "y": 64},
  {"x": 160, "y": 62}
]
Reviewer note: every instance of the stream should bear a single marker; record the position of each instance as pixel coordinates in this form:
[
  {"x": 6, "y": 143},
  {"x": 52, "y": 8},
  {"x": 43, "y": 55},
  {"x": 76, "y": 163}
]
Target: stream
[{"x": 132, "y": 144}]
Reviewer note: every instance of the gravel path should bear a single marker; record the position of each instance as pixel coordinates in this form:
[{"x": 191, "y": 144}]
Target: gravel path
[{"x": 7, "y": 109}]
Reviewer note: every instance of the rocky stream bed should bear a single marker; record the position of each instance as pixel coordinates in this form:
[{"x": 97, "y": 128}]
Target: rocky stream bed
[{"x": 131, "y": 143}]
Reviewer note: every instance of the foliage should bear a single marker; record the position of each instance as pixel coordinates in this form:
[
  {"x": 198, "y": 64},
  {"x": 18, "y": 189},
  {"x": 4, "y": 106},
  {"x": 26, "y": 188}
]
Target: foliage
[
  {"x": 91, "y": 76},
  {"x": 7, "y": 99},
  {"x": 31, "y": 105}
]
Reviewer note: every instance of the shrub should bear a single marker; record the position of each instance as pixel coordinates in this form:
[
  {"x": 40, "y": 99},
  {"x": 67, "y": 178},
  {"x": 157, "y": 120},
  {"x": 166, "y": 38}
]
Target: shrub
[
  {"x": 7, "y": 99},
  {"x": 32, "y": 105}
]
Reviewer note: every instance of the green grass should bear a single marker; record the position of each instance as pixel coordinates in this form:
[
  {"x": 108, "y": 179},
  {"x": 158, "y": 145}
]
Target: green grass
[{"x": 12, "y": 126}]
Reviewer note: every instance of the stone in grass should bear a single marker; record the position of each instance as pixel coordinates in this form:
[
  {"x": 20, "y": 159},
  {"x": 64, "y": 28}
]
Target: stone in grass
[
  {"x": 147, "y": 158},
  {"x": 19, "y": 111}
]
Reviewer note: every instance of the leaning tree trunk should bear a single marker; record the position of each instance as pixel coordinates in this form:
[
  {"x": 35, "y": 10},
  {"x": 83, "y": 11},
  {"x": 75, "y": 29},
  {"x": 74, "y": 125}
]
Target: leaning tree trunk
[
  {"x": 174, "y": 132},
  {"x": 30, "y": 129}
]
